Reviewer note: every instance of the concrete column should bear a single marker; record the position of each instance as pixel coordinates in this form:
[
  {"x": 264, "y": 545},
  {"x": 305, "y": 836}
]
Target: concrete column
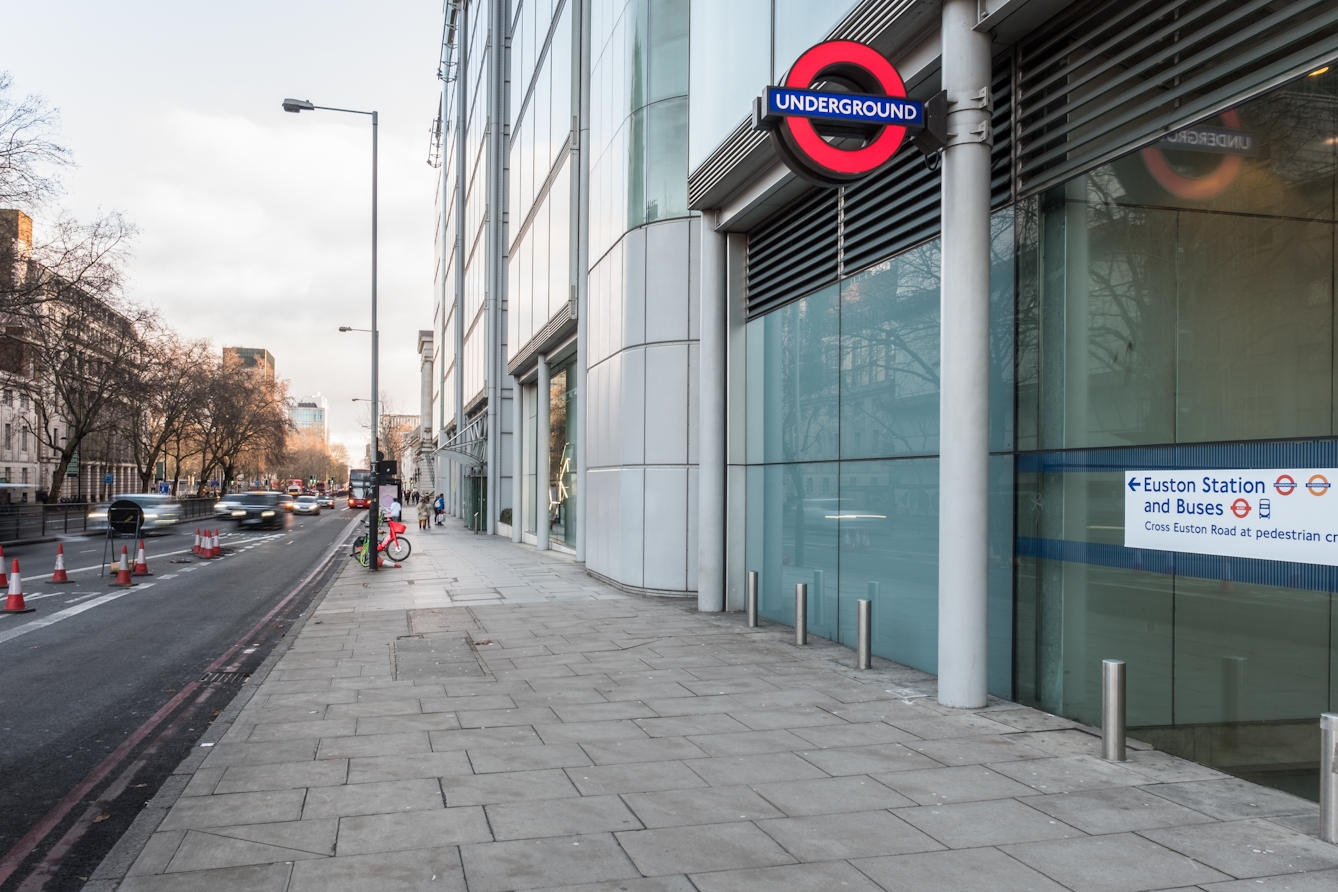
[
  {"x": 542, "y": 458},
  {"x": 517, "y": 461},
  {"x": 495, "y": 257},
  {"x": 581, "y": 272},
  {"x": 456, "y": 503},
  {"x": 964, "y": 370},
  {"x": 711, "y": 421}
]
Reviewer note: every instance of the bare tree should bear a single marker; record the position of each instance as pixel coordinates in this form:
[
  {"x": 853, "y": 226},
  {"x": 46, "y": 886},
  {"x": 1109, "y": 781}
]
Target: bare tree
[
  {"x": 162, "y": 399},
  {"x": 78, "y": 358},
  {"x": 243, "y": 421},
  {"x": 31, "y": 154}
]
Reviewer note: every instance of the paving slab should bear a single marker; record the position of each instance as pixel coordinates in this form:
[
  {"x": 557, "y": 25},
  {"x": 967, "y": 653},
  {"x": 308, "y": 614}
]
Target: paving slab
[
  {"x": 516, "y": 865},
  {"x": 628, "y": 744}
]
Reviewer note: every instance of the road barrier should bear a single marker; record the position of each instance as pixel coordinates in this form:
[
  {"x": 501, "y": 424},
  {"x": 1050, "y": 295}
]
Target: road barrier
[
  {"x": 752, "y": 599},
  {"x": 141, "y": 565},
  {"x": 1112, "y": 710},
  {"x": 59, "y": 576},
  {"x": 14, "y": 602},
  {"x": 123, "y": 569},
  {"x": 20, "y": 523}
]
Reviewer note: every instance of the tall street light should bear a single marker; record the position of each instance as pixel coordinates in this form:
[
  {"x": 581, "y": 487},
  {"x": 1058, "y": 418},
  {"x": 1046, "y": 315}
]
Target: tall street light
[{"x": 373, "y": 518}]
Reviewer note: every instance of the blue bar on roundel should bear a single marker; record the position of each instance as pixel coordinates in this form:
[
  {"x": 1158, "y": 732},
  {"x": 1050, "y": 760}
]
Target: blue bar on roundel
[{"x": 859, "y": 108}]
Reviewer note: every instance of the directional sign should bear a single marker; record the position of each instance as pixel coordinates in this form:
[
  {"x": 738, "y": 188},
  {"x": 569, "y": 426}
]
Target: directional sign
[{"x": 1279, "y": 514}]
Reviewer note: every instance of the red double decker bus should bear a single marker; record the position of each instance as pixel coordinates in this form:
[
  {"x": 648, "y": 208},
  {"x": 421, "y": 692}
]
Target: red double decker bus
[{"x": 360, "y": 488}]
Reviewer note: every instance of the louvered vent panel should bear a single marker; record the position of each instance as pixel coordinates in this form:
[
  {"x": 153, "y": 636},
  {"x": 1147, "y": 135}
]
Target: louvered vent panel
[
  {"x": 1107, "y": 76},
  {"x": 793, "y": 253},
  {"x": 900, "y": 206}
]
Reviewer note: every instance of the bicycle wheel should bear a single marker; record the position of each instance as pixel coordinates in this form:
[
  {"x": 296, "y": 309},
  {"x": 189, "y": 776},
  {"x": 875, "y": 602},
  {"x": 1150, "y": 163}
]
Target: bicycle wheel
[
  {"x": 398, "y": 549},
  {"x": 360, "y": 550}
]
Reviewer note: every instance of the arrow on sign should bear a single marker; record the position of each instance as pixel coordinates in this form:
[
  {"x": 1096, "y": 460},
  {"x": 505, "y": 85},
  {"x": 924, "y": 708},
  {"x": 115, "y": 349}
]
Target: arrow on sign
[{"x": 1133, "y": 484}]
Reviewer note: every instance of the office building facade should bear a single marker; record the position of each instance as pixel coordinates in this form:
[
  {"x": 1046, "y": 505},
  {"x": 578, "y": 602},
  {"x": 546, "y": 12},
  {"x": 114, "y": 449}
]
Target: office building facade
[{"x": 939, "y": 386}]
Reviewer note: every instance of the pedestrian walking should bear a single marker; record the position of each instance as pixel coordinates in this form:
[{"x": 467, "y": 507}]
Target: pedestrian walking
[
  {"x": 424, "y": 512},
  {"x": 440, "y": 507},
  {"x": 396, "y": 510}
]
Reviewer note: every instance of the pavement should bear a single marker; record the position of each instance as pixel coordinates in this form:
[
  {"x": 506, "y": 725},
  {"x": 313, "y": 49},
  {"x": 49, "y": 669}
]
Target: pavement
[{"x": 489, "y": 718}]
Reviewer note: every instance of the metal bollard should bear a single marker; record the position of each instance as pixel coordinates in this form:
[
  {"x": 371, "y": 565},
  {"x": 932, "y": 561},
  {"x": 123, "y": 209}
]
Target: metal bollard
[
  {"x": 1112, "y": 710},
  {"x": 800, "y": 613},
  {"x": 751, "y": 597},
  {"x": 1328, "y": 777},
  {"x": 863, "y": 648}
]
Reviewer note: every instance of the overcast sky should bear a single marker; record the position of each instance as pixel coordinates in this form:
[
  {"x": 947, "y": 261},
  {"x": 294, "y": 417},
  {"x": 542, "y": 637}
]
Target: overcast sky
[{"x": 255, "y": 223}]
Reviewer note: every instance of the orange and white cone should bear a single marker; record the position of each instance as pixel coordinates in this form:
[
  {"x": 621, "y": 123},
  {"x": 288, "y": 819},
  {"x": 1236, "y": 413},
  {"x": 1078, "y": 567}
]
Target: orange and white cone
[
  {"x": 59, "y": 577},
  {"x": 4, "y": 580},
  {"x": 195, "y": 549},
  {"x": 123, "y": 568},
  {"x": 141, "y": 565},
  {"x": 14, "y": 603},
  {"x": 215, "y": 550}
]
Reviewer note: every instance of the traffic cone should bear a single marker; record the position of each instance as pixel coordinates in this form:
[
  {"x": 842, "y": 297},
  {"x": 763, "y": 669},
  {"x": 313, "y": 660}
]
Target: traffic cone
[
  {"x": 59, "y": 577},
  {"x": 141, "y": 565},
  {"x": 14, "y": 603},
  {"x": 123, "y": 568},
  {"x": 215, "y": 550},
  {"x": 196, "y": 548},
  {"x": 4, "y": 580}
]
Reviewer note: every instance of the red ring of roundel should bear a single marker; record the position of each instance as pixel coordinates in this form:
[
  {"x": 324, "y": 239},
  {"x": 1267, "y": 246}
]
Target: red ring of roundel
[{"x": 802, "y": 75}]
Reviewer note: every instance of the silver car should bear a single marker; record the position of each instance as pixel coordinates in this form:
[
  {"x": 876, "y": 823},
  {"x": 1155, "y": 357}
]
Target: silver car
[
  {"x": 306, "y": 505},
  {"x": 160, "y": 511}
]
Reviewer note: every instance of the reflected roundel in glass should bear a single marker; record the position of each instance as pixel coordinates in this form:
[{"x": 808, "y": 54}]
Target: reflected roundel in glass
[
  {"x": 857, "y": 67},
  {"x": 1189, "y": 186}
]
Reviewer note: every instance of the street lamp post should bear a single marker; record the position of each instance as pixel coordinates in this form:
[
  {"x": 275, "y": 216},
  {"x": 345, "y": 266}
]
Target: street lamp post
[{"x": 301, "y": 105}]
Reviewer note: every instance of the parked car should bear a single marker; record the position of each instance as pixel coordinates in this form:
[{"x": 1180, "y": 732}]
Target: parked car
[
  {"x": 260, "y": 509},
  {"x": 306, "y": 505},
  {"x": 158, "y": 511},
  {"x": 325, "y": 500}
]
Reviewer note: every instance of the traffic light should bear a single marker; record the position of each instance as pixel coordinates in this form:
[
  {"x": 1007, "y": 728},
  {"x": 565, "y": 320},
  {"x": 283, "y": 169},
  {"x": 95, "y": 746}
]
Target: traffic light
[{"x": 386, "y": 471}]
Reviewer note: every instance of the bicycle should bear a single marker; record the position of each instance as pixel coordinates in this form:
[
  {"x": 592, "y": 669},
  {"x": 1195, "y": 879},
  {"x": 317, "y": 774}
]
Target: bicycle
[{"x": 396, "y": 546}]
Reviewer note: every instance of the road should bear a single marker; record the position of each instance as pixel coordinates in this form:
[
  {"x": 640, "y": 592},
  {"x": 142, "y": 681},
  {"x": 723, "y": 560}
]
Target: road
[{"x": 102, "y": 690}]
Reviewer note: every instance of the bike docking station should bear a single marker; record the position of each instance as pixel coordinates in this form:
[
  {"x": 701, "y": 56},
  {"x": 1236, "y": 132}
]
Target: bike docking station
[{"x": 126, "y": 518}]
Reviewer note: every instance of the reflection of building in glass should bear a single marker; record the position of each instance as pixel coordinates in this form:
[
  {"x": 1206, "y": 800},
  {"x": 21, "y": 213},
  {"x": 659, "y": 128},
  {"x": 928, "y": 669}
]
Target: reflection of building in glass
[
  {"x": 308, "y": 415},
  {"x": 251, "y": 358},
  {"x": 705, "y": 366}
]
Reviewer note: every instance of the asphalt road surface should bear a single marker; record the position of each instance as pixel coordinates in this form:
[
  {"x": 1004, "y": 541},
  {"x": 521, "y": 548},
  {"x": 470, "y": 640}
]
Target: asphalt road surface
[{"x": 104, "y": 690}]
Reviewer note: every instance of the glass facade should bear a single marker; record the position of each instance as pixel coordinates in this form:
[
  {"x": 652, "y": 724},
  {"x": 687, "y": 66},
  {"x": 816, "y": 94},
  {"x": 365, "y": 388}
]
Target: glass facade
[
  {"x": 1176, "y": 310},
  {"x": 728, "y": 73},
  {"x": 638, "y": 116},
  {"x": 561, "y": 498},
  {"x": 841, "y": 442},
  {"x": 1171, "y": 309}
]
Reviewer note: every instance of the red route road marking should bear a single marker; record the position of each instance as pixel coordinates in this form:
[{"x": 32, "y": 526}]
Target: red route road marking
[{"x": 30, "y": 840}]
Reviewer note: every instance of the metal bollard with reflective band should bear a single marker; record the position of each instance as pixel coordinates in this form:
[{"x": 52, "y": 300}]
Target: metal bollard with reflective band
[
  {"x": 800, "y": 613},
  {"x": 1112, "y": 710},
  {"x": 864, "y": 648},
  {"x": 752, "y": 599},
  {"x": 1328, "y": 777}
]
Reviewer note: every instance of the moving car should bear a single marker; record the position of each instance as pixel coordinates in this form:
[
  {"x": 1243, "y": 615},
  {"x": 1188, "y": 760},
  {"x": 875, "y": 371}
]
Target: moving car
[
  {"x": 260, "y": 509},
  {"x": 225, "y": 506},
  {"x": 325, "y": 500},
  {"x": 306, "y": 505},
  {"x": 159, "y": 511}
]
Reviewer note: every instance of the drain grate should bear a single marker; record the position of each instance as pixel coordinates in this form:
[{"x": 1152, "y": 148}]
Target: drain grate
[{"x": 225, "y": 677}]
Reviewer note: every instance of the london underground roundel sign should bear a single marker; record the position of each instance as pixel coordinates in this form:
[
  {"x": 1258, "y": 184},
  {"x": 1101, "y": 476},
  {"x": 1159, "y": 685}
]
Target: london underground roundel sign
[{"x": 869, "y": 118}]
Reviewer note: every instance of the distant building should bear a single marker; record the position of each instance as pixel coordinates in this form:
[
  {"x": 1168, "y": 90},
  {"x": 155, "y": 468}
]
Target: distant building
[
  {"x": 309, "y": 414},
  {"x": 251, "y": 358}
]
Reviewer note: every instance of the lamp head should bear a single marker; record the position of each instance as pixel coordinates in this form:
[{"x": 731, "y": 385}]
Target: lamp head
[
  {"x": 297, "y": 105},
  {"x": 345, "y": 328}
]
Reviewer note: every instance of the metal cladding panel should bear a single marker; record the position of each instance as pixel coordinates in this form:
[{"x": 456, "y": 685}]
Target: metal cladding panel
[
  {"x": 793, "y": 253},
  {"x": 1108, "y": 76}
]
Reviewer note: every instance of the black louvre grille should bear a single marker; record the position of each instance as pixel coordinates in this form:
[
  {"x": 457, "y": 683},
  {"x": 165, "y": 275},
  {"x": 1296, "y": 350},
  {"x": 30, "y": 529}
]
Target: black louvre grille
[
  {"x": 793, "y": 253},
  {"x": 1107, "y": 76}
]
